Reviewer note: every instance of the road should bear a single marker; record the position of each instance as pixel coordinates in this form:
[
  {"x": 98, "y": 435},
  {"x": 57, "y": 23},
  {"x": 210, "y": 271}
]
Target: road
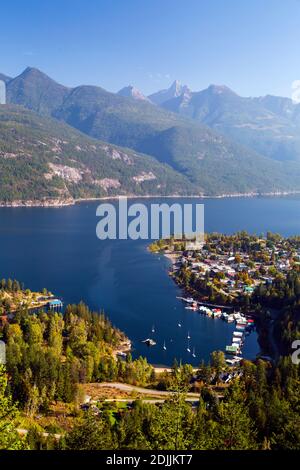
[
  {"x": 152, "y": 401},
  {"x": 145, "y": 391}
]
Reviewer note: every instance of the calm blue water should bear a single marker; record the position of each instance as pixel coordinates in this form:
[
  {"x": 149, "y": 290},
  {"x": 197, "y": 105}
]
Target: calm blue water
[{"x": 58, "y": 249}]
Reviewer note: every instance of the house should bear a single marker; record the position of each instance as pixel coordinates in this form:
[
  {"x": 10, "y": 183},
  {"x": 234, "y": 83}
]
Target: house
[
  {"x": 230, "y": 272},
  {"x": 225, "y": 377},
  {"x": 242, "y": 267},
  {"x": 194, "y": 245},
  {"x": 248, "y": 289},
  {"x": 3, "y": 320},
  {"x": 268, "y": 280}
]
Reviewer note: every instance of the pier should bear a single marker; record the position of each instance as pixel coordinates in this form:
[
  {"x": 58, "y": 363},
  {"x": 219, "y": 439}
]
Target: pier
[{"x": 206, "y": 304}]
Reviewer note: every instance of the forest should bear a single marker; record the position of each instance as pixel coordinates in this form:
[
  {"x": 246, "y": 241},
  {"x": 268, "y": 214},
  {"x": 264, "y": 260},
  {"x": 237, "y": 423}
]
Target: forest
[
  {"x": 51, "y": 356},
  {"x": 260, "y": 411}
]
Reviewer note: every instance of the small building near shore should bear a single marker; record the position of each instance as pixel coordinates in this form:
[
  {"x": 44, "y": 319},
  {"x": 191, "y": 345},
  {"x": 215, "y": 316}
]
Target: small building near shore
[{"x": 55, "y": 304}]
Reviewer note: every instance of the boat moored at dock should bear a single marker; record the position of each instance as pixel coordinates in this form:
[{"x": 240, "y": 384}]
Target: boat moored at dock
[{"x": 232, "y": 349}]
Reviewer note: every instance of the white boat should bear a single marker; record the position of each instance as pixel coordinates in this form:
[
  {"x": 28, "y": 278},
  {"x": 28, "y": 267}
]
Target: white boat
[
  {"x": 179, "y": 324},
  {"x": 188, "y": 336},
  {"x": 231, "y": 362},
  {"x": 237, "y": 315},
  {"x": 188, "y": 347},
  {"x": 237, "y": 359},
  {"x": 232, "y": 349},
  {"x": 149, "y": 342},
  {"x": 238, "y": 334},
  {"x": 121, "y": 354},
  {"x": 205, "y": 310},
  {"x": 188, "y": 300},
  {"x": 230, "y": 319},
  {"x": 153, "y": 329},
  {"x": 194, "y": 354},
  {"x": 237, "y": 340},
  {"x": 164, "y": 346}
]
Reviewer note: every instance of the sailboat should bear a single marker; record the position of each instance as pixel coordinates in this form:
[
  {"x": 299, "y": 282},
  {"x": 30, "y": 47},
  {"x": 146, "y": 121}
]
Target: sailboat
[
  {"x": 188, "y": 336},
  {"x": 164, "y": 347},
  {"x": 188, "y": 347},
  {"x": 179, "y": 324},
  {"x": 153, "y": 329},
  {"x": 194, "y": 355}
]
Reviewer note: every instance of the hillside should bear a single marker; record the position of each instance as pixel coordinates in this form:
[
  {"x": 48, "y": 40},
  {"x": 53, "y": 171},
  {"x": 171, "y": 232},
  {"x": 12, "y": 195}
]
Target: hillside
[
  {"x": 223, "y": 167},
  {"x": 43, "y": 159},
  {"x": 283, "y": 107},
  {"x": 36, "y": 91},
  {"x": 211, "y": 161},
  {"x": 207, "y": 159},
  {"x": 269, "y": 125}
]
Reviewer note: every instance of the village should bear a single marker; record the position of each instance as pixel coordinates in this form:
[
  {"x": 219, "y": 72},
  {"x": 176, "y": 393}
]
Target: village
[
  {"x": 225, "y": 273},
  {"x": 234, "y": 265}
]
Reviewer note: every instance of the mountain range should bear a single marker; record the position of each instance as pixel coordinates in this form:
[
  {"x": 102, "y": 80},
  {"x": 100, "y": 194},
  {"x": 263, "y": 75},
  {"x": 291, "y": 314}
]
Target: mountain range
[
  {"x": 175, "y": 90},
  {"x": 269, "y": 125},
  {"x": 211, "y": 142}
]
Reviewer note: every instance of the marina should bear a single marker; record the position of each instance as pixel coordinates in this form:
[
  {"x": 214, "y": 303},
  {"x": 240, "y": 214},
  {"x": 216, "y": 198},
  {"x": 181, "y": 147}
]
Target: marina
[{"x": 243, "y": 325}]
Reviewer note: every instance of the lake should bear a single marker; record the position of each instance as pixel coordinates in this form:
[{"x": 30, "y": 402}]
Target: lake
[{"x": 58, "y": 249}]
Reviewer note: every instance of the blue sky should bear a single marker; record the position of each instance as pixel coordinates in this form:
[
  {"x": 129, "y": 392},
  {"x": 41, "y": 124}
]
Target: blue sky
[{"x": 251, "y": 46}]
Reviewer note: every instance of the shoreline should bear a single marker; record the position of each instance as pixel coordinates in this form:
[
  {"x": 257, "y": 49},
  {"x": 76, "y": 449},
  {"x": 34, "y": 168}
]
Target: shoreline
[
  {"x": 124, "y": 348},
  {"x": 173, "y": 257},
  {"x": 57, "y": 203}
]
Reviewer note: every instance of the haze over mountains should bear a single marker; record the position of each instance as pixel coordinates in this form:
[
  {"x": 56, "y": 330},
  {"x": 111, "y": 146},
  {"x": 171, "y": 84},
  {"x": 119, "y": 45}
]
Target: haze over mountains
[
  {"x": 175, "y": 90},
  {"x": 269, "y": 125},
  {"x": 210, "y": 142}
]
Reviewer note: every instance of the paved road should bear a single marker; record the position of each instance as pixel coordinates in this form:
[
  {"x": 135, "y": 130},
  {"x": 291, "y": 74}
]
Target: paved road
[
  {"x": 160, "y": 370},
  {"x": 145, "y": 391},
  {"x": 152, "y": 401}
]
